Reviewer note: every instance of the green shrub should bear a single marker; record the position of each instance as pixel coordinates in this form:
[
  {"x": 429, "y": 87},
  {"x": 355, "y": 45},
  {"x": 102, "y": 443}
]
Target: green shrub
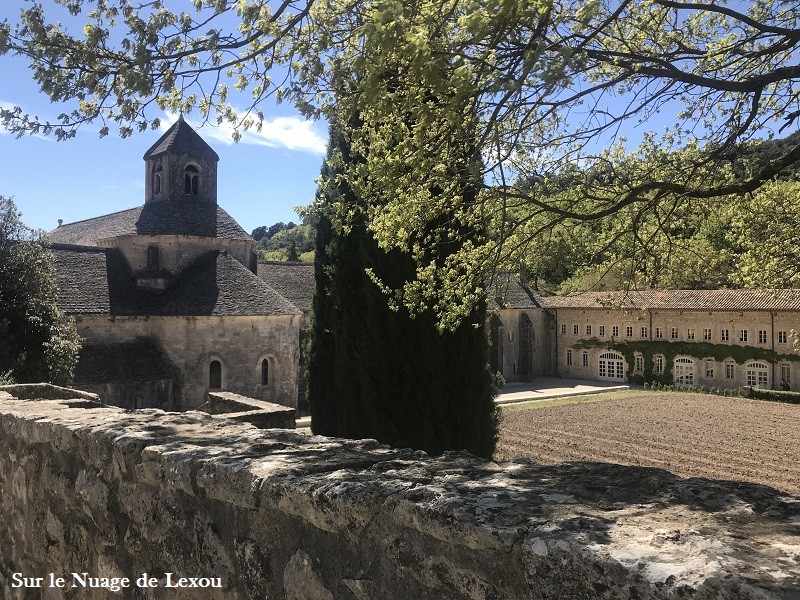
[{"x": 776, "y": 396}]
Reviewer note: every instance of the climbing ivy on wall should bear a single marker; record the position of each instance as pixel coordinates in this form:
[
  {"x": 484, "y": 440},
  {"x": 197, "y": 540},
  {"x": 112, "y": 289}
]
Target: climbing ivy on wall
[{"x": 671, "y": 350}]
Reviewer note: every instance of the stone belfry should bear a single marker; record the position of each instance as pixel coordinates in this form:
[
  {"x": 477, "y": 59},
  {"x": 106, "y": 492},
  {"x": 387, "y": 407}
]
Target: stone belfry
[{"x": 181, "y": 166}]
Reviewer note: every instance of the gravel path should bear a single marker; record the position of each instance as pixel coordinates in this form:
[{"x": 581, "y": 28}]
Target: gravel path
[{"x": 687, "y": 434}]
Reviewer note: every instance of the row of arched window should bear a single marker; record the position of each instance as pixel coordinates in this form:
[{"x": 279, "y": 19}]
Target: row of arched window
[
  {"x": 266, "y": 373},
  {"x": 611, "y": 366},
  {"x": 191, "y": 179}
]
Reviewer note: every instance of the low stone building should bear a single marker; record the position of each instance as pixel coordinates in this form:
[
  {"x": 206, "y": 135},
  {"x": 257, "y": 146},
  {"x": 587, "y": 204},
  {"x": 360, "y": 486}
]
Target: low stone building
[{"x": 166, "y": 295}]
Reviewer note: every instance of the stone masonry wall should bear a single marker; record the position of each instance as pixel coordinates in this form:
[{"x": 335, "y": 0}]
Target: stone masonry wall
[
  {"x": 240, "y": 343},
  {"x": 275, "y": 514}
]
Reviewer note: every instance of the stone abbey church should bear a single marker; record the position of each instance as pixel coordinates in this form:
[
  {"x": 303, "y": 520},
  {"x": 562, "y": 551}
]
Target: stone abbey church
[
  {"x": 167, "y": 296},
  {"x": 172, "y": 303}
]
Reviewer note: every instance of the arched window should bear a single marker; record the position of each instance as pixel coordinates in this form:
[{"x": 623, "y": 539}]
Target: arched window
[
  {"x": 265, "y": 372},
  {"x": 215, "y": 375},
  {"x": 611, "y": 365},
  {"x": 157, "y": 172},
  {"x": 683, "y": 371},
  {"x": 191, "y": 180},
  {"x": 265, "y": 368},
  {"x": 757, "y": 374}
]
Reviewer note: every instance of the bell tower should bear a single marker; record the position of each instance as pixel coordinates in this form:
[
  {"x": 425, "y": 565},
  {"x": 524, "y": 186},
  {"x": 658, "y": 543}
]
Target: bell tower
[{"x": 181, "y": 166}]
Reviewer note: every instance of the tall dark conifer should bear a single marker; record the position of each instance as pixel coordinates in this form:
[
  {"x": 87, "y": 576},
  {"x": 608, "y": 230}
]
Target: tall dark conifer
[{"x": 379, "y": 373}]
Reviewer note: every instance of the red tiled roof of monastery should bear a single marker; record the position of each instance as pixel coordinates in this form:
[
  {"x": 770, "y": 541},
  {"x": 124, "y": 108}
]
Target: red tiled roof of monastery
[{"x": 787, "y": 299}]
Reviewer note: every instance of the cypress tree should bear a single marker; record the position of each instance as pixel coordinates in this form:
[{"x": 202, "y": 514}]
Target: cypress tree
[{"x": 379, "y": 373}]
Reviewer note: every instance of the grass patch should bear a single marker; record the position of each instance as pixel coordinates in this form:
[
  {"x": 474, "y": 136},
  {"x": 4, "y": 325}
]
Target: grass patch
[{"x": 600, "y": 397}]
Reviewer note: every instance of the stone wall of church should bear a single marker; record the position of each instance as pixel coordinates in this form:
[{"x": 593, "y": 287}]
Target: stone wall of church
[
  {"x": 239, "y": 343},
  {"x": 211, "y": 510},
  {"x": 177, "y": 252}
]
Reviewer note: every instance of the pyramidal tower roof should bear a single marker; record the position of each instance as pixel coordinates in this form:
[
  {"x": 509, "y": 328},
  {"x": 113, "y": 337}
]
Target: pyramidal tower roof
[{"x": 181, "y": 139}]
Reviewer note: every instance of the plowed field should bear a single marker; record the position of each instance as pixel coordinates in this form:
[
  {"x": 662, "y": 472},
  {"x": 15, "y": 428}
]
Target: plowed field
[{"x": 692, "y": 435}]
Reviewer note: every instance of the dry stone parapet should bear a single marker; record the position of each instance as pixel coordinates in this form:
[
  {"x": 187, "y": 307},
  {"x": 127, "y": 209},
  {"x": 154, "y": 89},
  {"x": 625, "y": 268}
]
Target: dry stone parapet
[{"x": 276, "y": 514}]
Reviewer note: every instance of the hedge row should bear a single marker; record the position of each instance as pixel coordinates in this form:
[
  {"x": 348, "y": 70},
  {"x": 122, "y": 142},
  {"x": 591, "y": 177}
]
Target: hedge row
[{"x": 776, "y": 395}]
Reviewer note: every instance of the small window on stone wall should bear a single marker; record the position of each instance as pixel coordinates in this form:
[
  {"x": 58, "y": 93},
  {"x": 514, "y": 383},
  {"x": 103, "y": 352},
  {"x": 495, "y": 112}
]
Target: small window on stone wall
[
  {"x": 157, "y": 172},
  {"x": 265, "y": 372},
  {"x": 215, "y": 375},
  {"x": 191, "y": 180},
  {"x": 152, "y": 259},
  {"x": 267, "y": 368}
]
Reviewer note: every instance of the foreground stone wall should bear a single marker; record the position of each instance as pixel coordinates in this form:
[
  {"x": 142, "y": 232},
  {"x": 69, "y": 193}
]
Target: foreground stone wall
[{"x": 274, "y": 514}]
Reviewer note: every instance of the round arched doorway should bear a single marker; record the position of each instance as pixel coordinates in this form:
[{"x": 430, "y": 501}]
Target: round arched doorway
[{"x": 611, "y": 366}]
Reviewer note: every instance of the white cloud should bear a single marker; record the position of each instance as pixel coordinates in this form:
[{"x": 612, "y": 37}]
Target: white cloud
[{"x": 292, "y": 133}]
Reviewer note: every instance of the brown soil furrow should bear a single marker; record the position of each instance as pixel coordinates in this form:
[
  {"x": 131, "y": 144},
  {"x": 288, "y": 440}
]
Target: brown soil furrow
[
  {"x": 694, "y": 467},
  {"x": 687, "y": 434},
  {"x": 713, "y": 452}
]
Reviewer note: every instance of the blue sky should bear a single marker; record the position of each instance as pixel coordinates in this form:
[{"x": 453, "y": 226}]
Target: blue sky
[{"x": 261, "y": 178}]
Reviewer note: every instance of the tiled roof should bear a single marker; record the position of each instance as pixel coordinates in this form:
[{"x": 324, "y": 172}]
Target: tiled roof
[
  {"x": 140, "y": 360},
  {"x": 181, "y": 139},
  {"x": 292, "y": 280},
  {"x": 99, "y": 282},
  {"x": 510, "y": 292},
  {"x": 160, "y": 217},
  {"x": 681, "y": 300}
]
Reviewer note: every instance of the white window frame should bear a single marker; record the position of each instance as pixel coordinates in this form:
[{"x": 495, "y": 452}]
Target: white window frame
[
  {"x": 730, "y": 370},
  {"x": 707, "y": 334},
  {"x": 611, "y": 366},
  {"x": 724, "y": 335},
  {"x": 683, "y": 370},
  {"x": 757, "y": 374},
  {"x": 709, "y": 363}
]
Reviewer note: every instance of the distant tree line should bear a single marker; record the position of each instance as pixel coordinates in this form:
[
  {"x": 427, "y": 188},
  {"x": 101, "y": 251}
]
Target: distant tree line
[{"x": 286, "y": 241}]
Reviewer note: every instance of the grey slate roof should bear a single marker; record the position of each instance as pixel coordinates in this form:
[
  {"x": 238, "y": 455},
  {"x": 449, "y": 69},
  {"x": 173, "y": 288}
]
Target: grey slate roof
[
  {"x": 94, "y": 281},
  {"x": 786, "y": 299},
  {"x": 160, "y": 217},
  {"x": 510, "y": 292},
  {"x": 181, "y": 139},
  {"x": 292, "y": 280},
  {"x": 140, "y": 360}
]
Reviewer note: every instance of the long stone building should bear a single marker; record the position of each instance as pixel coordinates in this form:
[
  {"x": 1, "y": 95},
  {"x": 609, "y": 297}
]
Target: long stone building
[
  {"x": 167, "y": 297},
  {"x": 712, "y": 338}
]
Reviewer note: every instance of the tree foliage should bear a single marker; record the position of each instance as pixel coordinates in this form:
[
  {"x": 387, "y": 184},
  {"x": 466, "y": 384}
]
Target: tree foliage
[
  {"x": 37, "y": 342},
  {"x": 545, "y": 83}
]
